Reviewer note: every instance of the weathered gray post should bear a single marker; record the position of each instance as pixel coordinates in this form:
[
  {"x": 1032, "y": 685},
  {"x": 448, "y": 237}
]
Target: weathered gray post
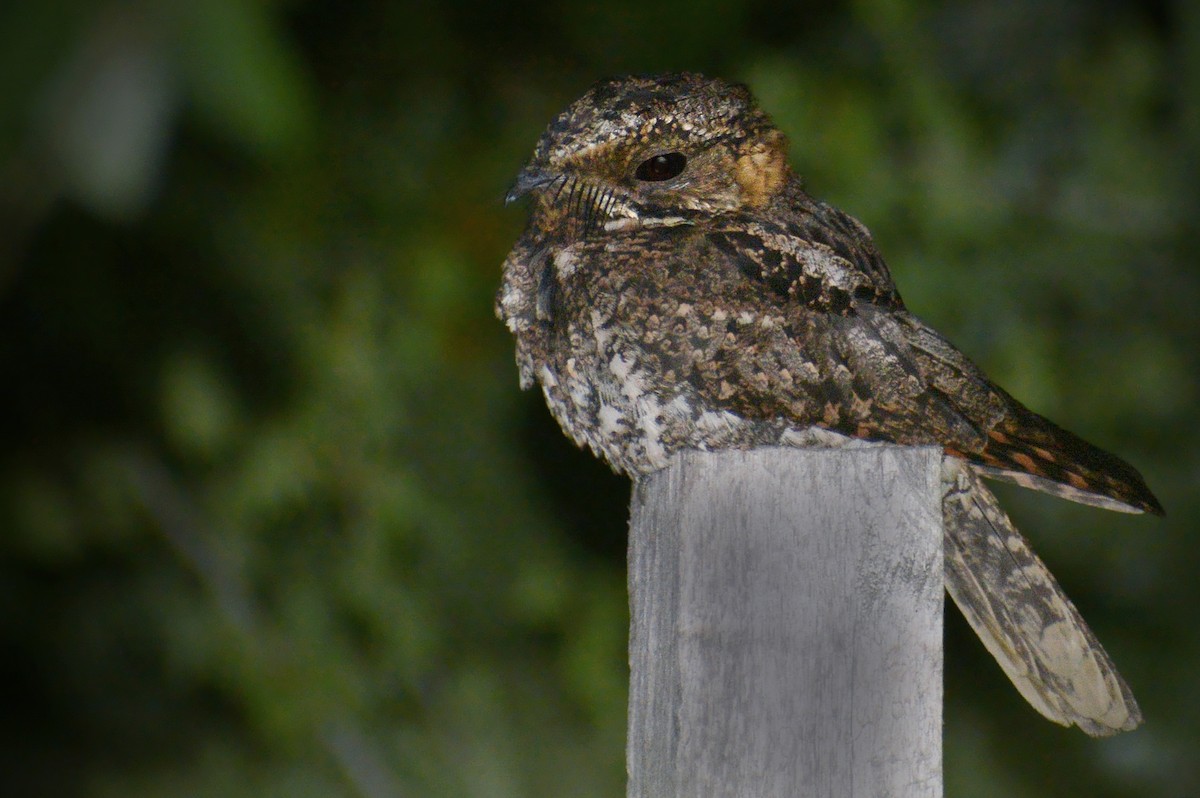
[{"x": 786, "y": 636}]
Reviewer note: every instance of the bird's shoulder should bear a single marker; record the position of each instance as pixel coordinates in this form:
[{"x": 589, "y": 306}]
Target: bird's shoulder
[
  {"x": 808, "y": 251},
  {"x": 796, "y": 250}
]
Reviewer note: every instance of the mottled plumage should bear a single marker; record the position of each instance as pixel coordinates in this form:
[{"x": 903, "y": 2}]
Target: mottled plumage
[{"x": 676, "y": 288}]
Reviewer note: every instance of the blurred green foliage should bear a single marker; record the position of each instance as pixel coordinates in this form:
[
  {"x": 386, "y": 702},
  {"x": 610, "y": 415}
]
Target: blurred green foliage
[{"x": 276, "y": 519}]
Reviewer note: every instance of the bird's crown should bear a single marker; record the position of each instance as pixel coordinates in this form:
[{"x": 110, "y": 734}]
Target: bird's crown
[{"x": 653, "y": 146}]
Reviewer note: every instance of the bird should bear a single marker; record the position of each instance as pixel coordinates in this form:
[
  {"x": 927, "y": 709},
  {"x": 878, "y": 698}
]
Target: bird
[{"x": 676, "y": 288}]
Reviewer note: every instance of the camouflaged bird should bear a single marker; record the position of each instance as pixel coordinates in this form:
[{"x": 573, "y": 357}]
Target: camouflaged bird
[{"x": 676, "y": 288}]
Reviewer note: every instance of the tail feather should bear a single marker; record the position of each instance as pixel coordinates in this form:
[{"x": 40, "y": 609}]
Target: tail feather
[{"x": 1024, "y": 619}]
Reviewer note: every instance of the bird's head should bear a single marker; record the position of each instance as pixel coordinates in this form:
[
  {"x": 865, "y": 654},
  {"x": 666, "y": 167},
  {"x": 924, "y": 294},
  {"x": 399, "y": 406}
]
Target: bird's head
[{"x": 653, "y": 151}]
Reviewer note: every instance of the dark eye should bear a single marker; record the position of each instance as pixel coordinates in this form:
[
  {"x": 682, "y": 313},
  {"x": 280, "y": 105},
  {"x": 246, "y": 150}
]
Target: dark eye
[{"x": 661, "y": 167}]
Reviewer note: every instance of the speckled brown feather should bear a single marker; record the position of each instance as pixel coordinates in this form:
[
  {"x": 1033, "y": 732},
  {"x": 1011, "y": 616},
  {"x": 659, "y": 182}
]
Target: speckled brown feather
[{"x": 725, "y": 307}]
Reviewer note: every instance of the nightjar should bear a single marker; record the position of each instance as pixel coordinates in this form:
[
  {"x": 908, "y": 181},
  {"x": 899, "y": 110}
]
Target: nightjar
[{"x": 676, "y": 288}]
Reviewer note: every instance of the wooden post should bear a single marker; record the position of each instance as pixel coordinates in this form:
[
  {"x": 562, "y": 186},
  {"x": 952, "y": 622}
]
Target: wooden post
[{"x": 786, "y": 625}]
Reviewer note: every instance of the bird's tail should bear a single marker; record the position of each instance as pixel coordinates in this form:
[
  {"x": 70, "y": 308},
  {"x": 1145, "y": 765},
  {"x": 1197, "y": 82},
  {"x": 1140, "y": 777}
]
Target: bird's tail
[{"x": 1014, "y": 604}]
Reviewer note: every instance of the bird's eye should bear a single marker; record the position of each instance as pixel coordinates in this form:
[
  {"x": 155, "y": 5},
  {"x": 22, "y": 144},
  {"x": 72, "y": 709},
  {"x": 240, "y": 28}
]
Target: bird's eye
[{"x": 663, "y": 166}]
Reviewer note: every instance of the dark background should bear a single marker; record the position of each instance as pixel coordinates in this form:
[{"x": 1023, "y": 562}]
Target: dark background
[{"x": 274, "y": 517}]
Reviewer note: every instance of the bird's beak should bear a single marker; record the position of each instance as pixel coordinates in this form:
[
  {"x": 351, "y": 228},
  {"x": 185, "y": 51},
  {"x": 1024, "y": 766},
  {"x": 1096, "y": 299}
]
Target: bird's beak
[{"x": 528, "y": 179}]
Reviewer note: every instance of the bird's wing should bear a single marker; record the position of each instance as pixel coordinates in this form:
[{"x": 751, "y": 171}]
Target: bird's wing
[
  {"x": 1023, "y": 447},
  {"x": 876, "y": 371}
]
